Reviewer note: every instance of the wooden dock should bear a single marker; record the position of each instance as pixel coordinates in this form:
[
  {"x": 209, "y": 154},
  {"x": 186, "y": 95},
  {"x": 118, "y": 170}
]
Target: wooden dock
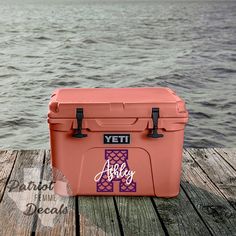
[{"x": 206, "y": 204}]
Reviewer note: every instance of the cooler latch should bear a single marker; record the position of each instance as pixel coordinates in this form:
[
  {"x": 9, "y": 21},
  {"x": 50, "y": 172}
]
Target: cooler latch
[
  {"x": 79, "y": 117},
  {"x": 155, "y": 116}
]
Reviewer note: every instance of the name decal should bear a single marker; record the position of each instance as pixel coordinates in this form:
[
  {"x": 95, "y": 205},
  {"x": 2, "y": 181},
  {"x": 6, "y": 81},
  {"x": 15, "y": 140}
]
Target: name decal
[{"x": 115, "y": 168}]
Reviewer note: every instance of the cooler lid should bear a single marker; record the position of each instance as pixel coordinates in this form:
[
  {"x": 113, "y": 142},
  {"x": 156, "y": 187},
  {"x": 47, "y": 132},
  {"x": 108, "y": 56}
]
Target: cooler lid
[{"x": 116, "y": 103}]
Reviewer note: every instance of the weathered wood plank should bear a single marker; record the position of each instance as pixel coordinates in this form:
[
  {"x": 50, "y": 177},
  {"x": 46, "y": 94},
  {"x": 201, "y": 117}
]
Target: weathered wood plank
[
  {"x": 218, "y": 170},
  {"x": 201, "y": 208},
  {"x": 180, "y": 217},
  {"x": 98, "y": 216},
  {"x": 54, "y": 223},
  {"x": 215, "y": 210},
  {"x": 138, "y": 216},
  {"x": 14, "y": 212},
  {"x": 7, "y": 160},
  {"x": 229, "y": 154}
]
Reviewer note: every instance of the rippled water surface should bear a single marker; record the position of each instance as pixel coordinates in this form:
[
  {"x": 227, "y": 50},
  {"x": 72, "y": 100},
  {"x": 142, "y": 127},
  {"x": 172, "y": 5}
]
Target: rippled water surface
[{"x": 187, "y": 46}]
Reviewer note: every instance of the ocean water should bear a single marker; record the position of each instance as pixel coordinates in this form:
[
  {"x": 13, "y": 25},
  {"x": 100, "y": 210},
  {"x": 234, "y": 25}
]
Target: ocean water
[{"x": 188, "y": 46}]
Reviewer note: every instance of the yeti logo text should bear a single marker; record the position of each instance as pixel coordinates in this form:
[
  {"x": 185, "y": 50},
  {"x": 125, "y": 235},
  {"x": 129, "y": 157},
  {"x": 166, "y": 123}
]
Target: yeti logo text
[
  {"x": 116, "y": 138},
  {"x": 116, "y": 168}
]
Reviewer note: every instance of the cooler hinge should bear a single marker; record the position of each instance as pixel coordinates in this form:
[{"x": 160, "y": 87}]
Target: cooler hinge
[
  {"x": 79, "y": 117},
  {"x": 155, "y": 116}
]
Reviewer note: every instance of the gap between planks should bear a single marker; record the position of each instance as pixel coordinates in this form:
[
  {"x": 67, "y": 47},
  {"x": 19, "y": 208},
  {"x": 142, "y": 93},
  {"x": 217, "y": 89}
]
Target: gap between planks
[{"x": 220, "y": 172}]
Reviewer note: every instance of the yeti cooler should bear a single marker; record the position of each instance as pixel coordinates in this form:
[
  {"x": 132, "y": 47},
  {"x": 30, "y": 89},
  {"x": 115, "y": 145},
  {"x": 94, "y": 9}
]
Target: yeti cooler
[{"x": 116, "y": 141}]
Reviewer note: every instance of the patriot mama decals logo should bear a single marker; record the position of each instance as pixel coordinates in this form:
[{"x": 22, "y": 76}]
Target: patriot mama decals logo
[{"x": 115, "y": 169}]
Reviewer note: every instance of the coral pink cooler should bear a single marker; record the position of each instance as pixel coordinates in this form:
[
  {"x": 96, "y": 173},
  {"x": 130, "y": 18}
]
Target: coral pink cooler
[{"x": 117, "y": 141}]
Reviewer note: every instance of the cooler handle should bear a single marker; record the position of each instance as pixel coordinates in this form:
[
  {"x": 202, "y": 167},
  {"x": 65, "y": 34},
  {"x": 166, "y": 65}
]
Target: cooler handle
[
  {"x": 155, "y": 116},
  {"x": 79, "y": 116}
]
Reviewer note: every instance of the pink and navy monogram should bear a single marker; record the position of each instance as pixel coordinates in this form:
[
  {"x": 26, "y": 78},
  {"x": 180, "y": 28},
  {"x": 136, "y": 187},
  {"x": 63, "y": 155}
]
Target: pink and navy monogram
[{"x": 116, "y": 168}]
